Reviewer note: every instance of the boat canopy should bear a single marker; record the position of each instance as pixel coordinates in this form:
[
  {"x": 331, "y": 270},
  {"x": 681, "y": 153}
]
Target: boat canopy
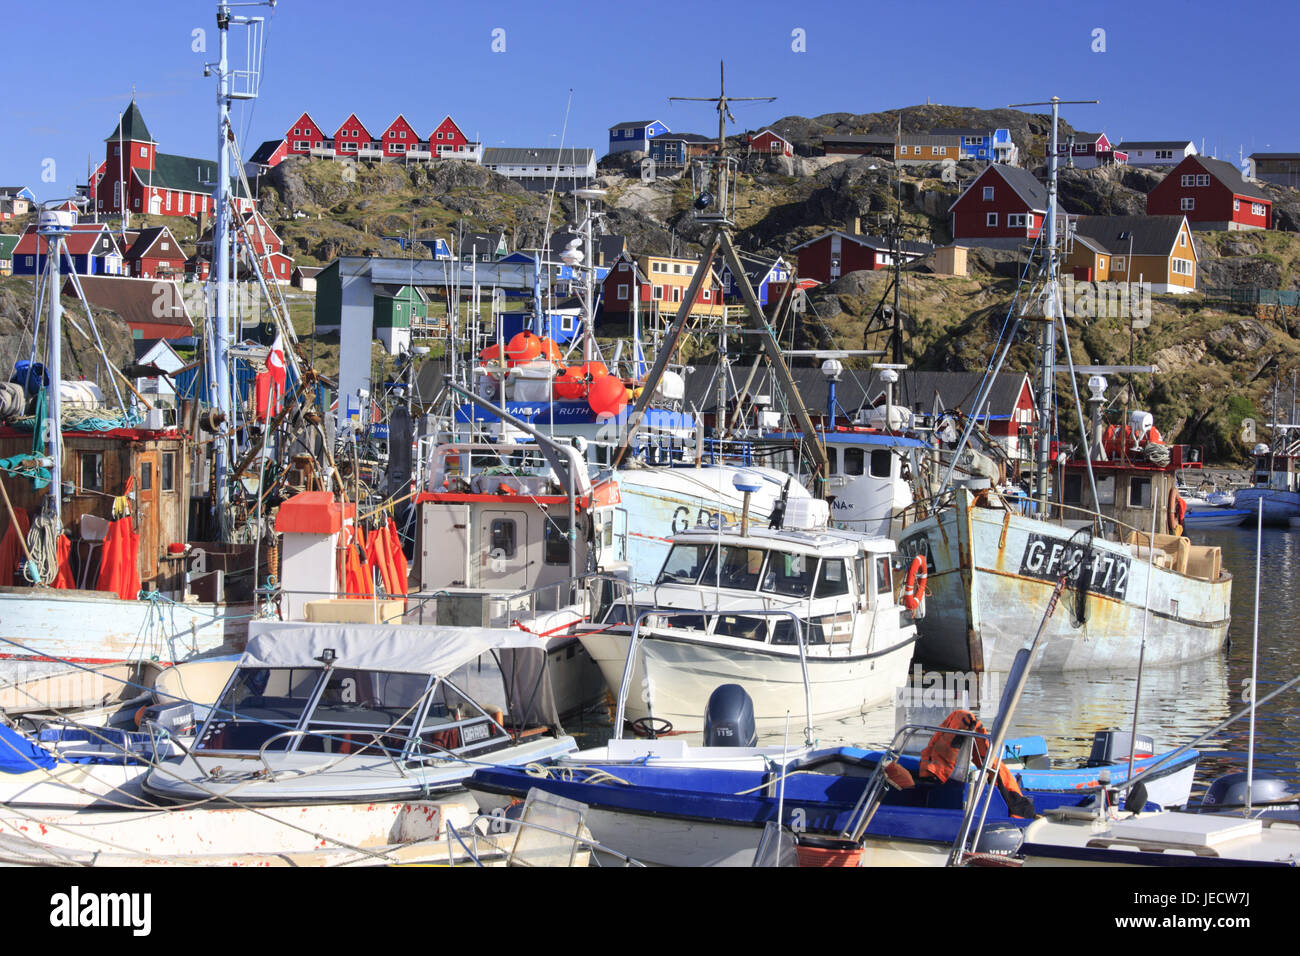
[
  {"x": 378, "y": 647},
  {"x": 829, "y": 541}
]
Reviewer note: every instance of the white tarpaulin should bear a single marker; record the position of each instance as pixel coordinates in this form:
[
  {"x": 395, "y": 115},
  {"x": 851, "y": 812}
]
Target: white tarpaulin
[{"x": 381, "y": 647}]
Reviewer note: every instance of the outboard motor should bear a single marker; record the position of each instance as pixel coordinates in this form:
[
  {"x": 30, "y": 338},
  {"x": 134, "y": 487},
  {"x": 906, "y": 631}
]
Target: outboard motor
[
  {"x": 1229, "y": 793},
  {"x": 1111, "y": 746},
  {"x": 729, "y": 718},
  {"x": 175, "y": 718}
]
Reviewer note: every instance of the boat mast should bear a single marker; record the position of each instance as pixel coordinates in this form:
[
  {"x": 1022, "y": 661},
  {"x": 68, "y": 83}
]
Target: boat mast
[
  {"x": 222, "y": 229},
  {"x": 52, "y": 226},
  {"x": 1051, "y": 309}
]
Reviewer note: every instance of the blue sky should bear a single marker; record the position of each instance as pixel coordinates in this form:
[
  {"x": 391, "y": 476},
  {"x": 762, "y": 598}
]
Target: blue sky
[{"x": 1178, "y": 68}]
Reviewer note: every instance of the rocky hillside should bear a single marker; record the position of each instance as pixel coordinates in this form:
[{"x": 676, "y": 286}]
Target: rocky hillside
[
  {"x": 1217, "y": 365},
  {"x": 80, "y": 358}
]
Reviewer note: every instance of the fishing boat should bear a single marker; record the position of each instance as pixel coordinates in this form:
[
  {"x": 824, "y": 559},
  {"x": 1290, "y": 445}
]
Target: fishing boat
[
  {"x": 96, "y": 759},
  {"x": 795, "y": 610},
  {"x": 320, "y": 713},
  {"x": 1275, "y": 480},
  {"x": 1110, "y": 518},
  {"x": 1168, "y": 782}
]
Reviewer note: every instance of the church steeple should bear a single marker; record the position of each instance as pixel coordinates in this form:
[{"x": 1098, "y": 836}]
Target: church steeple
[{"x": 131, "y": 128}]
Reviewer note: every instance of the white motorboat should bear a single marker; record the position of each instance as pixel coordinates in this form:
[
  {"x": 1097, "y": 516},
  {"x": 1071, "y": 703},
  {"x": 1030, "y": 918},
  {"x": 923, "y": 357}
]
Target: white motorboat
[
  {"x": 804, "y": 617},
  {"x": 322, "y": 713}
]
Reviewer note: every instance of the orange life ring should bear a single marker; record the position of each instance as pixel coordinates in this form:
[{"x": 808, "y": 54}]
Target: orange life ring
[
  {"x": 1176, "y": 511},
  {"x": 914, "y": 586}
]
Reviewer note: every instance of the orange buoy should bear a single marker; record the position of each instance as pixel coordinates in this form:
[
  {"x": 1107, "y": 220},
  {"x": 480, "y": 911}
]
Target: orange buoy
[
  {"x": 572, "y": 383},
  {"x": 523, "y": 348},
  {"x": 551, "y": 352},
  {"x": 608, "y": 395}
]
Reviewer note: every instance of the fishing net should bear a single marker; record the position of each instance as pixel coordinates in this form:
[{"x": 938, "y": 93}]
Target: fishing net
[{"x": 1080, "y": 544}]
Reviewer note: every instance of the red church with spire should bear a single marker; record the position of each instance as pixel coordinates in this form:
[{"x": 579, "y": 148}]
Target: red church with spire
[{"x": 159, "y": 184}]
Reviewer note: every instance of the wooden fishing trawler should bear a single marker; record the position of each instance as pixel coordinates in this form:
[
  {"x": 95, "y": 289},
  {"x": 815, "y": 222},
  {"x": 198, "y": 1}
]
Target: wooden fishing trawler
[{"x": 1108, "y": 520}]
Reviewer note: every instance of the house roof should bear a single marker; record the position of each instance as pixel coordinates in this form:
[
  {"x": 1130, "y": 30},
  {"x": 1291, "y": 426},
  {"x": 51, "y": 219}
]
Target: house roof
[
  {"x": 858, "y": 387},
  {"x": 1179, "y": 144},
  {"x": 878, "y": 243},
  {"x": 7, "y": 244},
  {"x": 184, "y": 174},
  {"x": 148, "y": 238},
  {"x": 963, "y": 130},
  {"x": 308, "y": 272},
  {"x": 686, "y": 138},
  {"x": 264, "y": 152},
  {"x": 13, "y": 192},
  {"x": 130, "y": 128},
  {"x": 1031, "y": 192},
  {"x": 481, "y": 243},
  {"x": 79, "y": 242},
  {"x": 635, "y": 124},
  {"x": 1230, "y": 176},
  {"x": 1252, "y": 156},
  {"x": 756, "y": 268},
  {"x": 569, "y": 156},
  {"x": 392, "y": 291},
  {"x": 929, "y": 139},
  {"x": 1150, "y": 235},
  {"x": 774, "y": 133},
  {"x": 135, "y": 300}
]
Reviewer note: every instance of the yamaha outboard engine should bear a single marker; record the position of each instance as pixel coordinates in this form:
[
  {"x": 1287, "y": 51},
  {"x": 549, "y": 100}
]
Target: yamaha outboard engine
[
  {"x": 1111, "y": 746},
  {"x": 1268, "y": 793},
  {"x": 729, "y": 718}
]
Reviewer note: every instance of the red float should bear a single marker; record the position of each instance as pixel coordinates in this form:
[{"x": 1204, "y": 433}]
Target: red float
[{"x": 608, "y": 396}]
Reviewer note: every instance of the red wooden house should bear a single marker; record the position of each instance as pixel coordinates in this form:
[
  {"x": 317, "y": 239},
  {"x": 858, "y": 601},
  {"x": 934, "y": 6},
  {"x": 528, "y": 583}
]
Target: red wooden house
[
  {"x": 448, "y": 141},
  {"x": 1212, "y": 194},
  {"x": 1004, "y": 202},
  {"x": 770, "y": 143},
  {"x": 155, "y": 254},
  {"x": 351, "y": 137},
  {"x": 836, "y": 254},
  {"x": 1088, "y": 150},
  {"x": 305, "y": 135},
  {"x": 400, "y": 139}
]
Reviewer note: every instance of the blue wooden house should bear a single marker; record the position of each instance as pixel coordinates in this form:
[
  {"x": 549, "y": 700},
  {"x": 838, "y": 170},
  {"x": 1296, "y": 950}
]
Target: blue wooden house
[
  {"x": 990, "y": 145},
  {"x": 761, "y": 272},
  {"x": 637, "y": 134}
]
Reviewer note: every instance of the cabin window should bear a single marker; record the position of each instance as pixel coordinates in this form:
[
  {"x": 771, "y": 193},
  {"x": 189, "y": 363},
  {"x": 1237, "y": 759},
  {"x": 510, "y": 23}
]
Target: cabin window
[
  {"x": 1072, "y": 491},
  {"x": 783, "y": 628},
  {"x": 747, "y": 628},
  {"x": 833, "y": 579},
  {"x": 737, "y": 568},
  {"x": 1139, "y": 492},
  {"x": 832, "y": 461},
  {"x": 884, "y": 577},
  {"x": 684, "y": 563},
  {"x": 456, "y": 723},
  {"x": 860, "y": 572},
  {"x": 991, "y": 219},
  {"x": 790, "y": 574},
  {"x": 881, "y": 460},
  {"x": 260, "y": 703},
  {"x": 853, "y": 461},
  {"x": 169, "y": 471},
  {"x": 362, "y": 711},
  {"x": 988, "y": 193},
  {"x": 502, "y": 538},
  {"x": 556, "y": 549},
  {"x": 91, "y": 471},
  {"x": 146, "y": 476}
]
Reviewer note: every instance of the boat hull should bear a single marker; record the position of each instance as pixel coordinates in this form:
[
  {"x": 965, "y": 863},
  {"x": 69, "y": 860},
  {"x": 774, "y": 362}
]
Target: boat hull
[
  {"x": 993, "y": 572},
  {"x": 1279, "y": 506},
  {"x": 682, "y": 673},
  {"x": 63, "y": 631}
]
